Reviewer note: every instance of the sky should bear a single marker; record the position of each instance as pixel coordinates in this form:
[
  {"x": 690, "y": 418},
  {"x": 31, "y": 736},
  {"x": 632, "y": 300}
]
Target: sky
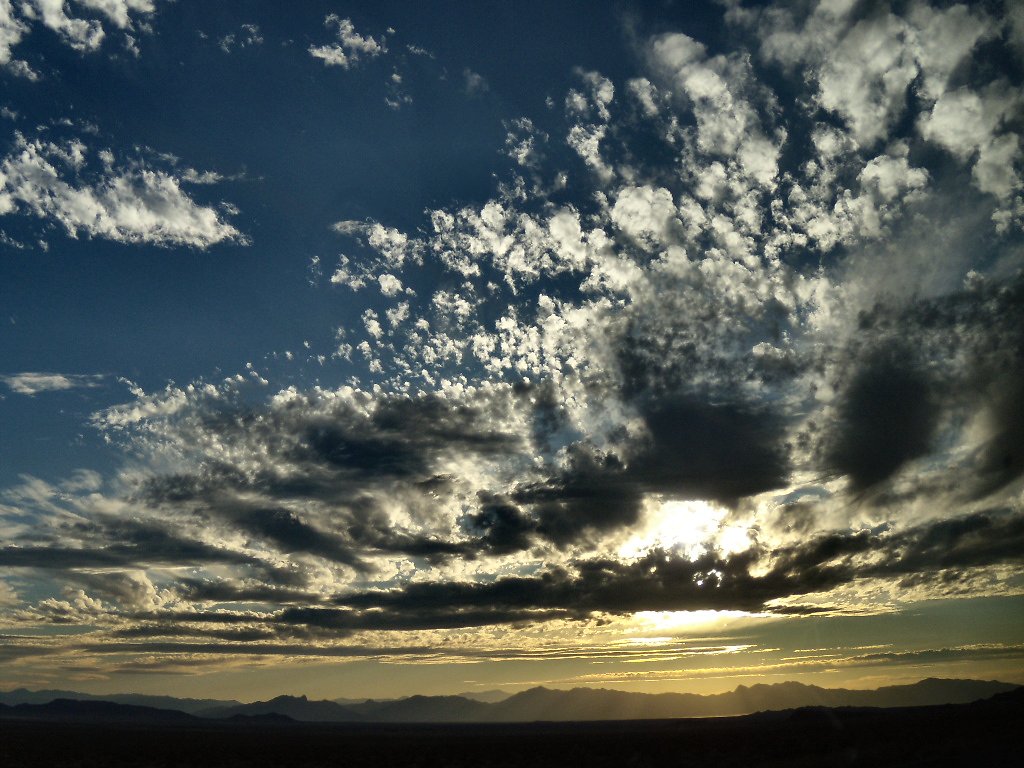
[{"x": 372, "y": 349}]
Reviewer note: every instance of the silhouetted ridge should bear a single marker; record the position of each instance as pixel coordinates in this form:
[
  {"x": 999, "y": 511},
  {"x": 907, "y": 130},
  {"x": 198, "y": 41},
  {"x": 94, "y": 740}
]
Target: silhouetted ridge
[
  {"x": 578, "y": 704},
  {"x": 25, "y": 696},
  {"x": 105, "y": 711},
  {"x": 294, "y": 707}
]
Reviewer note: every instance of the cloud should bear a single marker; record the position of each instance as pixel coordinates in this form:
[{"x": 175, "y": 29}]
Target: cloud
[
  {"x": 128, "y": 204},
  {"x": 722, "y": 96},
  {"x": 972, "y": 126},
  {"x": 887, "y": 417},
  {"x": 119, "y": 11},
  {"x": 248, "y": 36},
  {"x": 12, "y": 29},
  {"x": 863, "y": 62},
  {"x": 474, "y": 82},
  {"x": 666, "y": 581},
  {"x": 29, "y": 383},
  {"x": 689, "y": 450},
  {"x": 83, "y": 34},
  {"x": 1001, "y": 456},
  {"x": 351, "y": 47},
  {"x": 137, "y": 545}
]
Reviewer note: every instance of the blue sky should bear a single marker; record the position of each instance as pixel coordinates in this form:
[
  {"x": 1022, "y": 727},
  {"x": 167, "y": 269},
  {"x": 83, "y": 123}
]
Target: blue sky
[{"x": 368, "y": 330}]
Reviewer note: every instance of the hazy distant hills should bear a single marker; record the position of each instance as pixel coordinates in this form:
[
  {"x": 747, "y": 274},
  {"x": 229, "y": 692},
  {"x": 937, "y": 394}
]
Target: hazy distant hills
[
  {"x": 69, "y": 710},
  {"x": 540, "y": 704},
  {"x": 487, "y": 696},
  {"x": 25, "y": 696},
  {"x": 603, "y": 704},
  {"x": 295, "y": 707}
]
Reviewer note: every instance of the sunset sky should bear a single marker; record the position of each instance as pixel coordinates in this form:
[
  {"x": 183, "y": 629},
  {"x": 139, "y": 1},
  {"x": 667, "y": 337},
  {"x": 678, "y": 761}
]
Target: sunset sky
[{"x": 380, "y": 348}]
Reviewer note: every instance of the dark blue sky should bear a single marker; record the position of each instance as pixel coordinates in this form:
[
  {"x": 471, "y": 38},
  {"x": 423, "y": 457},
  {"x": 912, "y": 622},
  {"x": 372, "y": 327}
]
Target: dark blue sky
[{"x": 302, "y": 145}]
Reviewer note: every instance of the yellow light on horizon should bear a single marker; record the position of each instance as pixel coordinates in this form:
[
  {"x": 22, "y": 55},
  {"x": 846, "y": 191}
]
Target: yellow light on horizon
[{"x": 669, "y": 621}]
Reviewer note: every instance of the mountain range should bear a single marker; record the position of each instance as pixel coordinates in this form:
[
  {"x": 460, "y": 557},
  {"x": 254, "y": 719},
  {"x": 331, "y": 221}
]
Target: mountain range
[{"x": 535, "y": 704}]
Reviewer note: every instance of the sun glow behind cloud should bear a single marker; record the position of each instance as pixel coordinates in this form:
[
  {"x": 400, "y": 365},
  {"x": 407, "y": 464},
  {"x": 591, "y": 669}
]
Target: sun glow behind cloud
[{"x": 690, "y": 528}]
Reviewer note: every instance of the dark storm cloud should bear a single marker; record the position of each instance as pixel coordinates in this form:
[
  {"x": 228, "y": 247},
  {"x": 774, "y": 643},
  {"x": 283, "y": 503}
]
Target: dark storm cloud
[
  {"x": 331, "y": 453},
  {"x": 594, "y": 494},
  {"x": 343, "y": 622},
  {"x": 658, "y": 581},
  {"x": 546, "y": 410},
  {"x": 121, "y": 544},
  {"x": 199, "y": 617},
  {"x": 500, "y": 525},
  {"x": 390, "y": 455},
  {"x": 695, "y": 450},
  {"x": 666, "y": 581},
  {"x": 370, "y": 527},
  {"x": 337, "y": 457},
  {"x": 1001, "y": 460},
  {"x": 918, "y": 368},
  {"x": 402, "y": 438},
  {"x": 284, "y": 529},
  {"x": 887, "y": 417},
  {"x": 979, "y": 539},
  {"x": 709, "y": 451},
  {"x": 225, "y": 591},
  {"x": 262, "y": 649}
]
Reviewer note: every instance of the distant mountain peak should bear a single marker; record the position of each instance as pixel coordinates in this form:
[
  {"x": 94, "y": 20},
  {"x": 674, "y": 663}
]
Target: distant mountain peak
[{"x": 543, "y": 703}]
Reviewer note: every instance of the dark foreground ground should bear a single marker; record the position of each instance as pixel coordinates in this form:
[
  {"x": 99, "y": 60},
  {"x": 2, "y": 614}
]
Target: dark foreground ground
[{"x": 987, "y": 733}]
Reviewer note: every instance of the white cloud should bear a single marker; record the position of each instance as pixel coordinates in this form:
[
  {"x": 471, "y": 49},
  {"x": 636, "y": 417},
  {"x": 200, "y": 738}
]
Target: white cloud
[
  {"x": 12, "y": 30},
  {"x": 862, "y": 65},
  {"x": 474, "y": 82},
  {"x": 248, "y": 36},
  {"x": 31, "y": 383},
  {"x": 157, "y": 405},
  {"x": 586, "y": 140},
  {"x": 646, "y": 214},
  {"x": 351, "y": 47},
  {"x": 395, "y": 247},
  {"x": 865, "y": 79},
  {"x": 717, "y": 88},
  {"x": 372, "y": 322},
  {"x": 83, "y": 34},
  {"x": 592, "y": 110},
  {"x": 646, "y": 94},
  {"x": 119, "y": 11},
  {"x": 521, "y": 142},
  {"x": 972, "y": 124},
  {"x": 131, "y": 204},
  {"x": 390, "y": 285},
  {"x": 349, "y": 275}
]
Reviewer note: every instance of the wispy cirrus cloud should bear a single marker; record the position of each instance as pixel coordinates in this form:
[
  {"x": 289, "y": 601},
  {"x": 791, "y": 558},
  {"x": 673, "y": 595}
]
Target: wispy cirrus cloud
[{"x": 32, "y": 383}]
